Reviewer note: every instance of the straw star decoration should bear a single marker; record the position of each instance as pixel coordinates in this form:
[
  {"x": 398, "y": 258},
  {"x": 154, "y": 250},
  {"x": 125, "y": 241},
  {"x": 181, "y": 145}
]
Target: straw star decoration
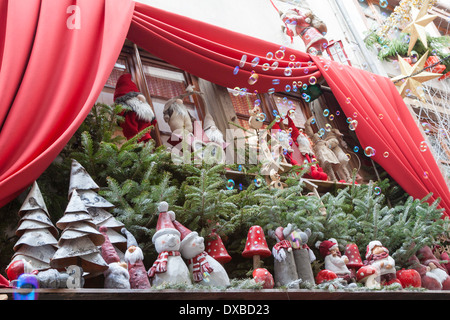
[
  {"x": 411, "y": 79},
  {"x": 416, "y": 28}
]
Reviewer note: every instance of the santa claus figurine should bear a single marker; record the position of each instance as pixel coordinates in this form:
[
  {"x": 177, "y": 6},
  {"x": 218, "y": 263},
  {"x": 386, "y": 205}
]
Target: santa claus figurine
[
  {"x": 307, "y": 26},
  {"x": 304, "y": 145},
  {"x": 378, "y": 256},
  {"x": 434, "y": 276},
  {"x": 134, "y": 258},
  {"x": 138, "y": 113},
  {"x": 334, "y": 261}
]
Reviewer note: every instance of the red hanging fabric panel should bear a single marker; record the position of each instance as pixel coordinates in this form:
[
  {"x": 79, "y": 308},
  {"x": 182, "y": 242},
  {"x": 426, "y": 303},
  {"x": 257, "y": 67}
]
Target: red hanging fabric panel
[
  {"x": 386, "y": 124},
  {"x": 55, "y": 57},
  {"x": 213, "y": 53}
]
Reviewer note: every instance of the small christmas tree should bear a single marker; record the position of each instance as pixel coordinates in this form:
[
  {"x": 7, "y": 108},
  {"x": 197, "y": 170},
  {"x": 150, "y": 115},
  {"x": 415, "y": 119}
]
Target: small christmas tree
[
  {"x": 37, "y": 243},
  {"x": 79, "y": 241},
  {"x": 97, "y": 206}
]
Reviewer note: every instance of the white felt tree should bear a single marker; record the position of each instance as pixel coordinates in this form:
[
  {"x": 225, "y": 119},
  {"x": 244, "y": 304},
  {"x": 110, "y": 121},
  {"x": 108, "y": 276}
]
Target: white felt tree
[{"x": 37, "y": 243}]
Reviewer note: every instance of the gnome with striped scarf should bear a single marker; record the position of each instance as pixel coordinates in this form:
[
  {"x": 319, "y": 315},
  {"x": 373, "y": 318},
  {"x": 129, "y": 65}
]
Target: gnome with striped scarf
[
  {"x": 169, "y": 267},
  {"x": 204, "y": 269}
]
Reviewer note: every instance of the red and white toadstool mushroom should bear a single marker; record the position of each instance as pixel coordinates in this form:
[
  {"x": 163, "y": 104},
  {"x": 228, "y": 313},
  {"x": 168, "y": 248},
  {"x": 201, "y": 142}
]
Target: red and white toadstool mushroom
[
  {"x": 256, "y": 246},
  {"x": 354, "y": 258},
  {"x": 216, "y": 249},
  {"x": 325, "y": 275},
  {"x": 369, "y": 275},
  {"x": 262, "y": 275}
]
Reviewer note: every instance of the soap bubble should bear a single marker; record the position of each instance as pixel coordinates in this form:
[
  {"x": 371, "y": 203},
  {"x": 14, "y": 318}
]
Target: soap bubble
[
  {"x": 230, "y": 184},
  {"x": 423, "y": 146},
  {"x": 253, "y": 79},
  {"x": 258, "y": 182},
  {"x": 352, "y": 125},
  {"x": 274, "y": 65},
  {"x": 279, "y": 54},
  {"x": 287, "y": 72},
  {"x": 312, "y": 80},
  {"x": 356, "y": 149},
  {"x": 292, "y": 57},
  {"x": 243, "y": 60},
  {"x": 269, "y": 55},
  {"x": 275, "y": 82},
  {"x": 369, "y": 151},
  {"x": 326, "y": 113},
  {"x": 265, "y": 66},
  {"x": 377, "y": 190},
  {"x": 255, "y": 62},
  {"x": 386, "y": 154},
  {"x": 426, "y": 127},
  {"x": 236, "y": 70}
]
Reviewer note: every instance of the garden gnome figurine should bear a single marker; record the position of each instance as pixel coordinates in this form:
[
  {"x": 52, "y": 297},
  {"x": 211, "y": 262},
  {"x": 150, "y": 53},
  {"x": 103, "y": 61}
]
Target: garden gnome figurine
[
  {"x": 303, "y": 255},
  {"x": 333, "y": 260},
  {"x": 169, "y": 267},
  {"x": 285, "y": 270},
  {"x": 139, "y": 114},
  {"x": 434, "y": 267},
  {"x": 203, "y": 268},
  {"x": 134, "y": 258},
  {"x": 116, "y": 276},
  {"x": 378, "y": 256}
]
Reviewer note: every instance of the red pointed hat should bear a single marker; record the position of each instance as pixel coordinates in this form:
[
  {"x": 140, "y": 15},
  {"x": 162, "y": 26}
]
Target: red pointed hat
[
  {"x": 124, "y": 85},
  {"x": 186, "y": 234},
  {"x": 165, "y": 222},
  {"x": 295, "y": 132},
  {"x": 109, "y": 254},
  {"x": 325, "y": 246}
]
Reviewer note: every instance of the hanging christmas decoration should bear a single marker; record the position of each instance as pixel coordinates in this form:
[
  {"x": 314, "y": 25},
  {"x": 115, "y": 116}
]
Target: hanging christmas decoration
[
  {"x": 411, "y": 78},
  {"x": 416, "y": 28}
]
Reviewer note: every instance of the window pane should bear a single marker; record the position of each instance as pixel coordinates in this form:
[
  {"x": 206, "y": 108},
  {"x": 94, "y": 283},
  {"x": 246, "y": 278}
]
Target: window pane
[
  {"x": 107, "y": 94},
  {"x": 284, "y": 104},
  {"x": 242, "y": 103}
]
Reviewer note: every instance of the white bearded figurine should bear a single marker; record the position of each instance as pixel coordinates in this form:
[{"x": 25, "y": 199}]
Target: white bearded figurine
[
  {"x": 204, "y": 269},
  {"x": 134, "y": 258},
  {"x": 169, "y": 267},
  {"x": 177, "y": 115},
  {"x": 333, "y": 260}
]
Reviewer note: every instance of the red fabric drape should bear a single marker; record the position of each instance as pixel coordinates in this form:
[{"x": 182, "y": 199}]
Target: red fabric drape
[
  {"x": 384, "y": 121},
  {"x": 55, "y": 57},
  {"x": 212, "y": 53},
  {"x": 386, "y": 124}
]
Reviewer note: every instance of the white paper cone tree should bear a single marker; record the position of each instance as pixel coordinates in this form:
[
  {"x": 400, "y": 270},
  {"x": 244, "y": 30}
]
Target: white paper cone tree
[
  {"x": 37, "y": 235},
  {"x": 97, "y": 206},
  {"x": 80, "y": 240}
]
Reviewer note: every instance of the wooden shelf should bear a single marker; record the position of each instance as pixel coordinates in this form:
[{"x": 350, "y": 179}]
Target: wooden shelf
[
  {"x": 243, "y": 295},
  {"x": 310, "y": 184}
]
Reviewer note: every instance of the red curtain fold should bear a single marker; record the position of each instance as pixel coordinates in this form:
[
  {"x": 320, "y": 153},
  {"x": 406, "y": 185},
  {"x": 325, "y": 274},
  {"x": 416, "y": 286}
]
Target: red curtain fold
[
  {"x": 55, "y": 57},
  {"x": 213, "y": 53},
  {"x": 386, "y": 124},
  {"x": 384, "y": 121}
]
